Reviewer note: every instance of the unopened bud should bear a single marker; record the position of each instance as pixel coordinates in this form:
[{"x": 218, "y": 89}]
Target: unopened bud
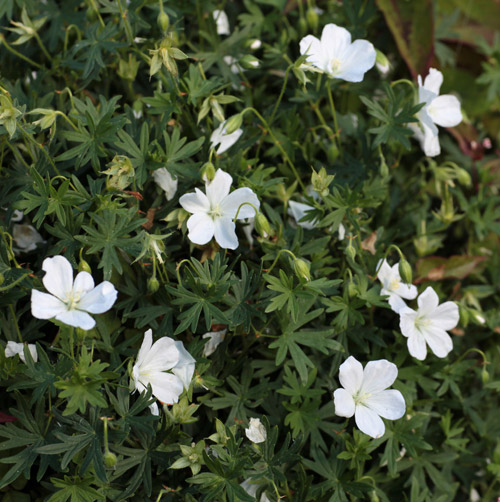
[
  {"x": 463, "y": 177},
  {"x": 405, "y": 271},
  {"x": 249, "y": 62},
  {"x": 352, "y": 290},
  {"x": 383, "y": 169},
  {"x": 255, "y": 44},
  {"x": 153, "y": 284},
  {"x": 83, "y": 266},
  {"x": 110, "y": 459},
  {"x": 302, "y": 269},
  {"x": 464, "y": 316},
  {"x": 262, "y": 225},
  {"x": 382, "y": 63},
  {"x": 312, "y": 19},
  {"x": 485, "y": 376},
  {"x": 207, "y": 172},
  {"x": 233, "y": 123},
  {"x": 350, "y": 251},
  {"x": 163, "y": 21},
  {"x": 332, "y": 152},
  {"x": 302, "y": 26}
]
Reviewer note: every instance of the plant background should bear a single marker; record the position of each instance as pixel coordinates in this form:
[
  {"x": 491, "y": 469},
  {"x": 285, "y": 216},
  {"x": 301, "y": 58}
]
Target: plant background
[{"x": 286, "y": 336}]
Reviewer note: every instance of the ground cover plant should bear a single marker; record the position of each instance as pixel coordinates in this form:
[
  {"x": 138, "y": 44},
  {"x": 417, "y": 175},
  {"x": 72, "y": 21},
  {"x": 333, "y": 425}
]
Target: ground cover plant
[{"x": 249, "y": 250}]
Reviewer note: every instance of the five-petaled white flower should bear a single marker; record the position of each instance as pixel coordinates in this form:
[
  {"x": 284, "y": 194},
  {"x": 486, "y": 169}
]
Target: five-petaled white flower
[
  {"x": 365, "y": 396},
  {"x": 428, "y": 325},
  {"x": 256, "y": 431},
  {"x": 336, "y": 56},
  {"x": 394, "y": 287},
  {"x": 224, "y": 140},
  {"x": 70, "y": 302},
  {"x": 215, "y": 338},
  {"x": 153, "y": 362},
  {"x": 221, "y": 21},
  {"x": 441, "y": 110},
  {"x": 166, "y": 182},
  {"x": 213, "y": 213},
  {"x": 14, "y": 348}
]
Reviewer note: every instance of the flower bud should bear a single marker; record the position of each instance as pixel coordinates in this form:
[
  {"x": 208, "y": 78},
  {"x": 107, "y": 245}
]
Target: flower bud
[
  {"x": 485, "y": 376},
  {"x": 352, "y": 290},
  {"x": 312, "y": 19},
  {"x": 255, "y": 44},
  {"x": 332, "y": 152},
  {"x": 463, "y": 177},
  {"x": 262, "y": 225},
  {"x": 163, "y": 21},
  {"x": 382, "y": 63},
  {"x": 207, "y": 172},
  {"x": 350, "y": 251},
  {"x": 110, "y": 459},
  {"x": 405, "y": 271},
  {"x": 153, "y": 284},
  {"x": 302, "y": 270},
  {"x": 383, "y": 169},
  {"x": 83, "y": 266},
  {"x": 464, "y": 316},
  {"x": 233, "y": 123},
  {"x": 249, "y": 62},
  {"x": 302, "y": 26}
]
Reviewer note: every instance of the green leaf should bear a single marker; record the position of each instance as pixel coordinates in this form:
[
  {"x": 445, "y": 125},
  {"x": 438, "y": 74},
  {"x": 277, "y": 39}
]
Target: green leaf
[{"x": 75, "y": 489}]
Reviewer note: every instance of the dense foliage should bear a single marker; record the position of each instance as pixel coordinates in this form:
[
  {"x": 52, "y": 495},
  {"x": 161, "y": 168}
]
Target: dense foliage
[{"x": 96, "y": 96}]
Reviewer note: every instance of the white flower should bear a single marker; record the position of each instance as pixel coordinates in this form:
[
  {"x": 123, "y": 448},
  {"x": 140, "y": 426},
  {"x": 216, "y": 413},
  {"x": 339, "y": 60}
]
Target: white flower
[
  {"x": 365, "y": 396},
  {"x": 341, "y": 231},
  {"x": 213, "y": 213},
  {"x": 251, "y": 488},
  {"x": 256, "y": 431},
  {"x": 215, "y": 338},
  {"x": 14, "y": 348},
  {"x": 17, "y": 215},
  {"x": 226, "y": 140},
  {"x": 298, "y": 210},
  {"x": 336, "y": 56},
  {"x": 441, "y": 110},
  {"x": 26, "y": 237},
  {"x": 222, "y": 22},
  {"x": 70, "y": 302},
  {"x": 428, "y": 325},
  {"x": 166, "y": 182},
  {"x": 256, "y": 44},
  {"x": 153, "y": 362},
  {"x": 232, "y": 62},
  {"x": 393, "y": 287}
]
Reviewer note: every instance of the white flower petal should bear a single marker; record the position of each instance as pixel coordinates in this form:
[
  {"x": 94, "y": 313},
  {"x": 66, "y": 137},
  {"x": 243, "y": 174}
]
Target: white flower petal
[
  {"x": 445, "y": 111},
  {"x": 359, "y": 58},
  {"x": 100, "y": 299},
  {"x": 58, "y": 278},
  {"x": 77, "y": 319},
  {"x": 427, "y": 301},
  {"x": 388, "y": 404},
  {"x": 395, "y": 301},
  {"x": 184, "y": 369},
  {"x": 407, "y": 321},
  {"x": 14, "y": 348},
  {"x": 162, "y": 356},
  {"x": 45, "y": 306},
  {"x": 378, "y": 375},
  {"x": 195, "y": 202},
  {"x": 147, "y": 342},
  {"x": 311, "y": 46},
  {"x": 416, "y": 346},
  {"x": 407, "y": 291},
  {"x": 446, "y": 316},
  {"x": 298, "y": 210},
  {"x": 438, "y": 340},
  {"x": 166, "y": 182},
  {"x": 351, "y": 375},
  {"x": 369, "y": 422},
  {"x": 218, "y": 188},
  {"x": 344, "y": 403},
  {"x": 225, "y": 233},
  {"x": 226, "y": 141},
  {"x": 83, "y": 283},
  {"x": 335, "y": 40},
  {"x": 230, "y": 205},
  {"x": 221, "y": 21},
  {"x": 215, "y": 338},
  {"x": 154, "y": 409},
  {"x": 26, "y": 237},
  {"x": 430, "y": 144},
  {"x": 201, "y": 228},
  {"x": 433, "y": 81},
  {"x": 256, "y": 431},
  {"x": 166, "y": 387}
]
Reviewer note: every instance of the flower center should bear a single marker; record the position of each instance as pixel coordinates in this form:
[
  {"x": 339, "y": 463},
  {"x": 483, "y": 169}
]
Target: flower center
[
  {"x": 360, "y": 398},
  {"x": 72, "y": 300},
  {"x": 421, "y": 323},
  {"x": 335, "y": 65},
  {"x": 394, "y": 284},
  {"x": 216, "y": 212}
]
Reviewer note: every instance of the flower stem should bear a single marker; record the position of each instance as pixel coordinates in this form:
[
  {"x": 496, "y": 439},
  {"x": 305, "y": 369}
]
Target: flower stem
[
  {"x": 17, "y": 53},
  {"x": 280, "y": 97},
  {"x": 96, "y": 9},
  {"x": 72, "y": 351},
  {"x": 42, "y": 46},
  {"x": 241, "y": 205},
  {"x": 13, "y": 314},
  {"x": 277, "y": 257},
  {"x": 334, "y": 115},
  {"x": 128, "y": 28}
]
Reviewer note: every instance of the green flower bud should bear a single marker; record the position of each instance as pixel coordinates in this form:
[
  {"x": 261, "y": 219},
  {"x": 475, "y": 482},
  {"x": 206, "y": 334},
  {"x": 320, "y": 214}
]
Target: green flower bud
[
  {"x": 405, "y": 271},
  {"x": 312, "y": 19},
  {"x": 382, "y": 63},
  {"x": 463, "y": 177},
  {"x": 302, "y": 26},
  {"x": 207, "y": 172},
  {"x": 485, "y": 376},
  {"x": 249, "y": 62},
  {"x": 352, "y": 290},
  {"x": 262, "y": 225},
  {"x": 110, "y": 459},
  {"x": 464, "y": 316},
  {"x": 332, "y": 152},
  {"x": 83, "y": 266},
  {"x": 233, "y": 123},
  {"x": 302, "y": 269},
  {"x": 350, "y": 251},
  {"x": 383, "y": 169},
  {"x": 163, "y": 21},
  {"x": 153, "y": 284}
]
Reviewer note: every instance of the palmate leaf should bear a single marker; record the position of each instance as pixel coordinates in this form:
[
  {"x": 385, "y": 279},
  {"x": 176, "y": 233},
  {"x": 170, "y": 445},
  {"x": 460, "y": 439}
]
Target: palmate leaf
[{"x": 75, "y": 489}]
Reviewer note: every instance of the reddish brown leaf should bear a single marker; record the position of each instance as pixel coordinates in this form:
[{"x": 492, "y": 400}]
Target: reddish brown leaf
[{"x": 436, "y": 268}]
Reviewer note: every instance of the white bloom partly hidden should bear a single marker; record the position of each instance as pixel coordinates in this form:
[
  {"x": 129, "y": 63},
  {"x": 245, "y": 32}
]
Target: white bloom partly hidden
[
  {"x": 256, "y": 431},
  {"x": 438, "y": 110},
  {"x": 429, "y": 325},
  {"x": 215, "y": 338},
  {"x": 365, "y": 396},
  {"x": 153, "y": 363},
  {"x": 251, "y": 488},
  {"x": 14, "y": 348},
  {"x": 221, "y": 21},
  {"x": 213, "y": 213},
  {"x": 26, "y": 237},
  {"x": 224, "y": 140},
  {"x": 70, "y": 301},
  {"x": 393, "y": 286},
  {"x": 298, "y": 210},
  {"x": 336, "y": 56},
  {"x": 166, "y": 182}
]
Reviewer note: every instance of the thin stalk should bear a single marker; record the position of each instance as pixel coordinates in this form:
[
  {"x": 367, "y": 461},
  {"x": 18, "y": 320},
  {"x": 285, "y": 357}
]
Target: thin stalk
[
  {"x": 277, "y": 257},
  {"x": 13, "y": 314},
  {"x": 94, "y": 6},
  {"x": 334, "y": 115},
  {"x": 128, "y": 28},
  {"x": 280, "y": 97},
  {"x": 30, "y": 138},
  {"x": 67, "y": 119},
  {"x": 17, "y": 53},
  {"x": 42, "y": 46}
]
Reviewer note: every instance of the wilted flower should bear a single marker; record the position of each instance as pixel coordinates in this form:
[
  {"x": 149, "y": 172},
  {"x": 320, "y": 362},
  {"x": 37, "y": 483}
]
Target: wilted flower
[
  {"x": 226, "y": 141},
  {"x": 393, "y": 286},
  {"x": 364, "y": 395},
  {"x": 213, "y": 213},
  {"x": 26, "y": 237},
  {"x": 215, "y": 338},
  {"x": 441, "y": 110},
  {"x": 336, "y": 56},
  {"x": 153, "y": 362},
  {"x": 222, "y": 22},
  {"x": 14, "y": 348},
  {"x": 70, "y": 302},
  {"x": 166, "y": 182},
  {"x": 256, "y": 431},
  {"x": 428, "y": 325}
]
